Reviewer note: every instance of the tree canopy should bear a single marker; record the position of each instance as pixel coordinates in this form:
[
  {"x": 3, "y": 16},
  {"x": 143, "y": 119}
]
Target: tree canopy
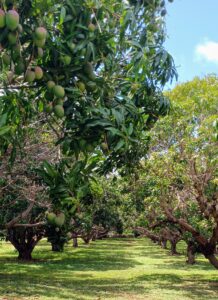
[
  {"x": 179, "y": 184},
  {"x": 81, "y": 86}
]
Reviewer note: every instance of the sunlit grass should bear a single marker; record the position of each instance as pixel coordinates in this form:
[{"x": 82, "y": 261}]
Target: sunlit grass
[{"x": 109, "y": 269}]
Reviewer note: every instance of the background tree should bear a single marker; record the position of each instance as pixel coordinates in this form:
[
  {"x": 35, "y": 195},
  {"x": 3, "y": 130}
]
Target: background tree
[
  {"x": 183, "y": 164},
  {"x": 23, "y": 197}
]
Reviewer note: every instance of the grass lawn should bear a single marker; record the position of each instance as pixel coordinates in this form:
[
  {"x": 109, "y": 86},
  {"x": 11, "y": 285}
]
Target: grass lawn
[{"x": 109, "y": 269}]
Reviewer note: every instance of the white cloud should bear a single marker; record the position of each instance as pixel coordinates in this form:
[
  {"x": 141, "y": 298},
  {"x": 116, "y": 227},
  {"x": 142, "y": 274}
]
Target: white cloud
[{"x": 207, "y": 51}]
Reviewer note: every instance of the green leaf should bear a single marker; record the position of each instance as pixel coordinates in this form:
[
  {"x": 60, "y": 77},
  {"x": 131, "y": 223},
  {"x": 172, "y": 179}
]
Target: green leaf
[
  {"x": 118, "y": 116},
  {"x": 81, "y": 45},
  {"x": 115, "y": 131},
  {"x": 49, "y": 169},
  {"x": 130, "y": 129},
  {"x": 3, "y": 119},
  {"x": 62, "y": 15},
  {"x": 102, "y": 123},
  {"x": 4, "y": 129},
  {"x": 119, "y": 145}
]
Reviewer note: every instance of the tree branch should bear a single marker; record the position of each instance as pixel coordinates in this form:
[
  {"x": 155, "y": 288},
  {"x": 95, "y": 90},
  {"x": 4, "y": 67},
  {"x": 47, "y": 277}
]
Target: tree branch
[
  {"x": 30, "y": 225},
  {"x": 21, "y": 216}
]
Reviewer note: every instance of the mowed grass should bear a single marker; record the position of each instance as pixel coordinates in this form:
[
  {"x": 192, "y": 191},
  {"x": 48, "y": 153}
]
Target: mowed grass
[{"x": 107, "y": 269}]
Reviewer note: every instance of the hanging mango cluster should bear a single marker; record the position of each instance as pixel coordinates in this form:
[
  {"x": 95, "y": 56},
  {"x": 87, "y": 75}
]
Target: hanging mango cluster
[
  {"x": 17, "y": 66},
  {"x": 98, "y": 66}
]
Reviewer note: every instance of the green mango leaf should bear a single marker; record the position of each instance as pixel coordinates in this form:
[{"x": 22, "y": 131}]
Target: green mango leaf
[
  {"x": 49, "y": 169},
  {"x": 119, "y": 145},
  {"x": 3, "y": 119},
  {"x": 115, "y": 131},
  {"x": 4, "y": 130},
  {"x": 118, "y": 116},
  {"x": 62, "y": 15}
]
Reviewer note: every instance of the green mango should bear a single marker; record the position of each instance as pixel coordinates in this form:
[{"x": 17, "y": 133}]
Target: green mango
[
  {"x": 59, "y": 111},
  {"x": 88, "y": 69},
  {"x": 2, "y": 19},
  {"x": 58, "y": 91},
  {"x": 12, "y": 20},
  {"x": 60, "y": 219},
  {"x": 51, "y": 218},
  {"x": 19, "y": 67},
  {"x": 6, "y": 59}
]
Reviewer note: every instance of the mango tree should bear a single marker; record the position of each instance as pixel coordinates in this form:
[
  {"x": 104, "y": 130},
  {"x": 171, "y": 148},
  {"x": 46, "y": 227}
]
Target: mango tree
[
  {"x": 23, "y": 197},
  {"x": 91, "y": 73},
  {"x": 148, "y": 218},
  {"x": 100, "y": 212},
  {"x": 183, "y": 165}
]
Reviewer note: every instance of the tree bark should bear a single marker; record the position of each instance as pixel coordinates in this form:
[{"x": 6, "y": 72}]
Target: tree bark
[
  {"x": 144, "y": 232},
  {"x": 164, "y": 244},
  {"x": 190, "y": 253},
  {"x": 213, "y": 260},
  {"x": 75, "y": 242},
  {"x": 24, "y": 241},
  {"x": 86, "y": 240},
  {"x": 187, "y": 227},
  {"x": 207, "y": 248},
  {"x": 87, "y": 237},
  {"x": 173, "y": 248},
  {"x": 57, "y": 247},
  {"x": 24, "y": 249},
  {"x": 25, "y": 254}
]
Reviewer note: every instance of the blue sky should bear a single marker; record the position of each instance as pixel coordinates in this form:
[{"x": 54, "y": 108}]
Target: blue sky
[{"x": 192, "y": 29}]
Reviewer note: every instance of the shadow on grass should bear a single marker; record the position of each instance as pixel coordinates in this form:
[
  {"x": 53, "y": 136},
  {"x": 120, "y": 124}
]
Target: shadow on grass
[
  {"x": 95, "y": 257},
  {"x": 92, "y": 272},
  {"x": 177, "y": 262},
  {"x": 80, "y": 286},
  {"x": 192, "y": 287},
  {"x": 182, "y": 265}
]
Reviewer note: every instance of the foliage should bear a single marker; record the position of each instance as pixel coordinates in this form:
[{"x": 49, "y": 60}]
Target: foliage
[
  {"x": 180, "y": 174},
  {"x": 120, "y": 62},
  {"x": 86, "y": 77}
]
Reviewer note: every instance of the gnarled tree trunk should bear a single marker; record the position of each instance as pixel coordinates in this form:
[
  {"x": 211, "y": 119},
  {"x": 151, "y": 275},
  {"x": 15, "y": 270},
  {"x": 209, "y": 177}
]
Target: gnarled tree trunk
[
  {"x": 209, "y": 250},
  {"x": 25, "y": 253},
  {"x": 94, "y": 237},
  {"x": 24, "y": 240},
  {"x": 75, "y": 242},
  {"x": 191, "y": 253},
  {"x": 164, "y": 244},
  {"x": 213, "y": 260},
  {"x": 86, "y": 239},
  {"x": 57, "y": 246},
  {"x": 173, "y": 250}
]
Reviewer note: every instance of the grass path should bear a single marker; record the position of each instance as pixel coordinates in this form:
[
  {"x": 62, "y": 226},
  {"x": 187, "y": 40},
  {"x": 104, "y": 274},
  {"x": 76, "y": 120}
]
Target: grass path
[{"x": 109, "y": 269}]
